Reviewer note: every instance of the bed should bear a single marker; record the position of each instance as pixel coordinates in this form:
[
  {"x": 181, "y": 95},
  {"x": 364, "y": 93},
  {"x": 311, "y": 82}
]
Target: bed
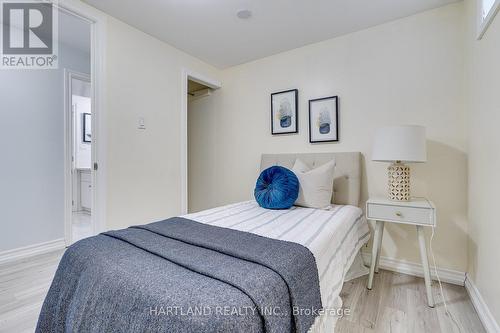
[{"x": 163, "y": 276}]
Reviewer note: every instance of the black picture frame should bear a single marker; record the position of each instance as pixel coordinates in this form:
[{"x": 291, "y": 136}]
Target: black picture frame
[
  {"x": 336, "y": 137},
  {"x": 86, "y": 124},
  {"x": 293, "y": 119}
]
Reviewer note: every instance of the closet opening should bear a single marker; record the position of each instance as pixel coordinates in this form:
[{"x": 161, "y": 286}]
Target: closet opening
[
  {"x": 201, "y": 137},
  {"x": 198, "y": 135}
]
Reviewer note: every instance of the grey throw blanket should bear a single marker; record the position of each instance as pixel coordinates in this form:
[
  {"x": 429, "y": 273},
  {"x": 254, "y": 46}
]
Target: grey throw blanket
[{"x": 179, "y": 275}]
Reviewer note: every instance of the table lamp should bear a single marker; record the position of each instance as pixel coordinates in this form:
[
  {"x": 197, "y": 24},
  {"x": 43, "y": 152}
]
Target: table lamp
[{"x": 400, "y": 144}]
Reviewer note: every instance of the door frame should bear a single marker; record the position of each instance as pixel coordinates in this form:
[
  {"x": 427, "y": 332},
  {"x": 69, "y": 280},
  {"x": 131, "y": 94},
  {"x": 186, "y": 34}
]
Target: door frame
[
  {"x": 97, "y": 21},
  {"x": 187, "y": 75}
]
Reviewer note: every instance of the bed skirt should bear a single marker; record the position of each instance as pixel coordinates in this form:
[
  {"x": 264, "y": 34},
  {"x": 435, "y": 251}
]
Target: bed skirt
[{"x": 326, "y": 323}]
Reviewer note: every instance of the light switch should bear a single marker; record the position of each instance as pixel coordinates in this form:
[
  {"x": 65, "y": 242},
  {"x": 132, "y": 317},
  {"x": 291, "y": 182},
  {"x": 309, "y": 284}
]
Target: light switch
[{"x": 141, "y": 123}]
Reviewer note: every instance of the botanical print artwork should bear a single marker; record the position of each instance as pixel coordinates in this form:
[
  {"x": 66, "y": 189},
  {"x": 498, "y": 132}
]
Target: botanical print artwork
[
  {"x": 323, "y": 119},
  {"x": 284, "y": 112}
]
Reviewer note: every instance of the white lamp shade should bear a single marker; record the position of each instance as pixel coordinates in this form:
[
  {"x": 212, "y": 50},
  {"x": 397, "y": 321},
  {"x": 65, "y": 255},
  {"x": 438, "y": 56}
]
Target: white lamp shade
[{"x": 400, "y": 143}]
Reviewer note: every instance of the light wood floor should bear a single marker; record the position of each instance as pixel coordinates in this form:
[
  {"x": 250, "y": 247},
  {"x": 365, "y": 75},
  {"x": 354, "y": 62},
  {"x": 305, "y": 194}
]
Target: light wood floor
[
  {"x": 396, "y": 303},
  {"x": 23, "y": 287}
]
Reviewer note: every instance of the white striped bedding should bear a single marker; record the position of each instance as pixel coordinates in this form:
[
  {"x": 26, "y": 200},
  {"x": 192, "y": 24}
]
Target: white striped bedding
[{"x": 334, "y": 236}]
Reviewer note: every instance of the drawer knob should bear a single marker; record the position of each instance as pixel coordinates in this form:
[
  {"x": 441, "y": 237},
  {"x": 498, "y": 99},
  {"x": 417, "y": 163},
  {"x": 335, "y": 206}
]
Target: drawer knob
[{"x": 399, "y": 214}]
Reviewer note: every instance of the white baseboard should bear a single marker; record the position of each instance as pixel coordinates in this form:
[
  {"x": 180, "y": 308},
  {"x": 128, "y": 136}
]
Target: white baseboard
[
  {"x": 484, "y": 313},
  {"x": 31, "y": 250},
  {"x": 416, "y": 269}
]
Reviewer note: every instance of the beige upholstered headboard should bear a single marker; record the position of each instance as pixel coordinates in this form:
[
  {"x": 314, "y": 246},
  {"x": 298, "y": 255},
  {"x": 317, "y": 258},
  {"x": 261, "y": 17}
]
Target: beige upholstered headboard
[{"x": 347, "y": 182}]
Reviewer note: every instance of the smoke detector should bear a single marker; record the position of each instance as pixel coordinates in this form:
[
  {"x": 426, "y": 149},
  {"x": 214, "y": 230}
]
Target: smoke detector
[{"x": 244, "y": 14}]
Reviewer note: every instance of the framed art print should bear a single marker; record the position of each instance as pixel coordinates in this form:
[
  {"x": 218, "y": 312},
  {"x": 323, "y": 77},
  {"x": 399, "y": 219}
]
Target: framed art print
[
  {"x": 324, "y": 120},
  {"x": 87, "y": 128},
  {"x": 284, "y": 112}
]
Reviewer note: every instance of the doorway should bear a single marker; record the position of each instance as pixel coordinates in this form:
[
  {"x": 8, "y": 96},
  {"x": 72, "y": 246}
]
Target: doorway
[
  {"x": 198, "y": 126},
  {"x": 201, "y": 140},
  {"x": 82, "y": 29},
  {"x": 80, "y": 103}
]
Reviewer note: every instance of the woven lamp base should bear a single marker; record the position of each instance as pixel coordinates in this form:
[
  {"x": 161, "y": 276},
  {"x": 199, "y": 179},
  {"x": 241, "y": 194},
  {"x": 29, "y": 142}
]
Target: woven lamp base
[{"x": 399, "y": 182}]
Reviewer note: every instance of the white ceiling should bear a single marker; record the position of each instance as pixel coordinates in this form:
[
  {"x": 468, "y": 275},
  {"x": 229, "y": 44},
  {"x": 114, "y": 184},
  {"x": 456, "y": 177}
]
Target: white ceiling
[{"x": 210, "y": 30}]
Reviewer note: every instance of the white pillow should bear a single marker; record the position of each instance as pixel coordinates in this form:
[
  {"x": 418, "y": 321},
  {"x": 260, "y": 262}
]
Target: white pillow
[{"x": 316, "y": 185}]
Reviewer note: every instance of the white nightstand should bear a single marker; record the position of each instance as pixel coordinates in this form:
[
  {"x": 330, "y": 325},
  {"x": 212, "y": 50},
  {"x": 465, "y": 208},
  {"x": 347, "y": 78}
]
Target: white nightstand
[{"x": 418, "y": 212}]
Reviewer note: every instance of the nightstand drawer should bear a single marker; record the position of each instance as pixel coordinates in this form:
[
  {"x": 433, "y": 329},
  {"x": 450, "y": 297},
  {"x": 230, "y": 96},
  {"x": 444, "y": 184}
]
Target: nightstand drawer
[{"x": 412, "y": 215}]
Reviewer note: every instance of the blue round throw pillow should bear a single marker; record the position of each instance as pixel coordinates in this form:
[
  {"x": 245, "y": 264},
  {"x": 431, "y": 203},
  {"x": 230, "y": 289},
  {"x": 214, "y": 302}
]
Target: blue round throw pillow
[{"x": 276, "y": 188}]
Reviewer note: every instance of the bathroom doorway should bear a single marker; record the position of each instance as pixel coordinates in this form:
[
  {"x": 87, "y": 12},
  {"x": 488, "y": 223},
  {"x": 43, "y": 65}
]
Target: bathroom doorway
[
  {"x": 75, "y": 39},
  {"x": 80, "y": 103}
]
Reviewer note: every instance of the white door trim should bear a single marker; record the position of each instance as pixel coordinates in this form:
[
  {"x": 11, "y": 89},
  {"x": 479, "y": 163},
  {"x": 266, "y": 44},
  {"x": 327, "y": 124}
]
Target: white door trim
[
  {"x": 211, "y": 83},
  {"x": 98, "y": 22}
]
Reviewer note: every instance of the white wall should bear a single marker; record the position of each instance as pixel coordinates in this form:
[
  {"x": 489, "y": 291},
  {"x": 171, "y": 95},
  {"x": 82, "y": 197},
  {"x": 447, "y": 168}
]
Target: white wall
[
  {"x": 483, "y": 83},
  {"x": 409, "y": 71},
  {"x": 32, "y": 144},
  {"x": 144, "y": 80}
]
